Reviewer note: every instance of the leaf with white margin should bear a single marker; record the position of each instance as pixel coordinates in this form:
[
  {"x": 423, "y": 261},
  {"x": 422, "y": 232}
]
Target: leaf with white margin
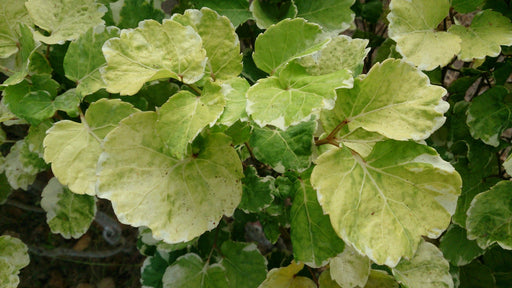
[
  {"x": 384, "y": 203},
  {"x": 285, "y": 277},
  {"x": 67, "y": 213},
  {"x": 284, "y": 150},
  {"x": 302, "y": 39},
  {"x": 64, "y": 19},
  {"x": 313, "y": 238},
  {"x": 72, "y": 146},
  {"x": 150, "y": 52},
  {"x": 244, "y": 264},
  {"x": 488, "y": 115},
  {"x": 84, "y": 58},
  {"x": 12, "y": 13},
  {"x": 350, "y": 269},
  {"x": 190, "y": 271},
  {"x": 508, "y": 164},
  {"x": 186, "y": 197},
  {"x": 234, "y": 91},
  {"x": 13, "y": 257},
  {"x": 185, "y": 115},
  {"x": 412, "y": 24},
  {"x": 488, "y": 30},
  {"x": 426, "y": 269},
  {"x": 21, "y": 165},
  {"x": 257, "y": 191},
  {"x": 266, "y": 13},
  {"x": 407, "y": 109},
  {"x": 381, "y": 279},
  {"x": 489, "y": 217},
  {"x": 457, "y": 248},
  {"x": 293, "y": 96},
  {"x": 236, "y": 10},
  {"x": 342, "y": 52},
  {"x": 219, "y": 40},
  {"x": 333, "y": 15}
]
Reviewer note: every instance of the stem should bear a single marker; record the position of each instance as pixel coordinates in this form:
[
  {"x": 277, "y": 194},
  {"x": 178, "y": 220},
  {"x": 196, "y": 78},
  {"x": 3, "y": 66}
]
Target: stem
[
  {"x": 332, "y": 136},
  {"x": 63, "y": 252},
  {"x": 193, "y": 87},
  {"x": 312, "y": 274},
  {"x": 24, "y": 207},
  {"x": 250, "y": 150}
]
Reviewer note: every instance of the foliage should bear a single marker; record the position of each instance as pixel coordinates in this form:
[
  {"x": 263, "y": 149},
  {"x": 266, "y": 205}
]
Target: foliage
[{"x": 254, "y": 145}]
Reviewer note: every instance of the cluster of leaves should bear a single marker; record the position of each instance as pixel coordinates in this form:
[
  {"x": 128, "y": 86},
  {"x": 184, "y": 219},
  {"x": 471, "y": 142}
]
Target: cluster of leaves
[{"x": 311, "y": 159}]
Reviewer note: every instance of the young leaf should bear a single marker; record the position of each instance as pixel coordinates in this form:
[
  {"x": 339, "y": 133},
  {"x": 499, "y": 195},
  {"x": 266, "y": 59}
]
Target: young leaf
[
  {"x": 185, "y": 115},
  {"x": 236, "y": 10},
  {"x": 350, "y": 269},
  {"x": 285, "y": 277},
  {"x": 245, "y": 266},
  {"x": 489, "y": 217},
  {"x": 21, "y": 165},
  {"x": 426, "y": 269},
  {"x": 152, "y": 51},
  {"x": 284, "y": 150},
  {"x": 333, "y": 15},
  {"x": 483, "y": 38},
  {"x": 219, "y": 40},
  {"x": 72, "y": 146},
  {"x": 380, "y": 204},
  {"x": 84, "y": 58},
  {"x": 257, "y": 191},
  {"x": 64, "y": 20},
  {"x": 67, "y": 213},
  {"x": 13, "y": 13},
  {"x": 379, "y": 103},
  {"x": 302, "y": 38},
  {"x": 293, "y": 96},
  {"x": 186, "y": 197},
  {"x": 489, "y": 115},
  {"x": 412, "y": 24},
  {"x": 457, "y": 248},
  {"x": 313, "y": 239},
  {"x": 267, "y": 13},
  {"x": 234, "y": 91},
  {"x": 13, "y": 257},
  {"x": 342, "y": 52},
  {"x": 190, "y": 271}
]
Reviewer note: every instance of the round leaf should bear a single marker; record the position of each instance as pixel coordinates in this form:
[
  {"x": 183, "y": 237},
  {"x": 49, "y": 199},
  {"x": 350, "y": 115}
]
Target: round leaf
[
  {"x": 285, "y": 277},
  {"x": 13, "y": 12},
  {"x": 333, "y": 15},
  {"x": 350, "y": 269}
]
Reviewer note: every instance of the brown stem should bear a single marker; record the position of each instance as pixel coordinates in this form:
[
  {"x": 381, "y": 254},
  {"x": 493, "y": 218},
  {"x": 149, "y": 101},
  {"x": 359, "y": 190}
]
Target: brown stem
[
  {"x": 330, "y": 139},
  {"x": 194, "y": 88},
  {"x": 312, "y": 274},
  {"x": 250, "y": 150}
]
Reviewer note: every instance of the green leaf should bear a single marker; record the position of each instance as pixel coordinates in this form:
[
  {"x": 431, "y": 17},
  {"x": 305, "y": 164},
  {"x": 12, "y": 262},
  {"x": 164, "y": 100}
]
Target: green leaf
[
  {"x": 5, "y": 188},
  {"x": 302, "y": 39},
  {"x": 284, "y": 150},
  {"x": 333, "y": 15},
  {"x": 313, "y": 238},
  {"x": 402, "y": 189},
  {"x": 467, "y": 6},
  {"x": 476, "y": 275},
  {"x": 234, "y": 91},
  {"x": 457, "y": 248},
  {"x": 190, "y": 271},
  {"x": 426, "y": 269},
  {"x": 35, "y": 137},
  {"x": 293, "y": 96},
  {"x": 13, "y": 257},
  {"x": 152, "y": 51},
  {"x": 84, "y": 58},
  {"x": 245, "y": 266},
  {"x": 508, "y": 164},
  {"x": 412, "y": 25},
  {"x": 489, "y": 217},
  {"x": 267, "y": 13},
  {"x": 483, "y": 38},
  {"x": 22, "y": 165},
  {"x": 379, "y": 103},
  {"x": 489, "y": 115},
  {"x": 67, "y": 213},
  {"x": 64, "y": 20},
  {"x": 285, "y": 277},
  {"x": 13, "y": 13},
  {"x": 350, "y": 269},
  {"x": 186, "y": 197},
  {"x": 134, "y": 11},
  {"x": 381, "y": 279},
  {"x": 33, "y": 102},
  {"x": 257, "y": 191},
  {"x": 236, "y": 10},
  {"x": 68, "y": 102},
  {"x": 185, "y": 115},
  {"x": 219, "y": 40},
  {"x": 342, "y": 52},
  {"x": 72, "y": 146},
  {"x": 153, "y": 270},
  {"x": 325, "y": 280}
]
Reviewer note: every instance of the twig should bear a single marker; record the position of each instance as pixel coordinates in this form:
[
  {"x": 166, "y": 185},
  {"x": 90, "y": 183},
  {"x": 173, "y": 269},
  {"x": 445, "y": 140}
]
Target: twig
[
  {"x": 66, "y": 252},
  {"x": 24, "y": 207}
]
